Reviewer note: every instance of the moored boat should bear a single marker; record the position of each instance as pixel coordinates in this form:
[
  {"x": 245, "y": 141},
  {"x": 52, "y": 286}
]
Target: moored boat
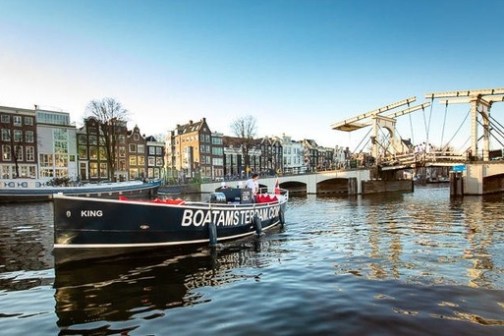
[
  {"x": 97, "y": 227},
  {"x": 30, "y": 191}
]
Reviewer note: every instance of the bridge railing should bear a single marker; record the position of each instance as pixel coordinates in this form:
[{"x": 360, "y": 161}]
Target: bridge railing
[{"x": 423, "y": 157}]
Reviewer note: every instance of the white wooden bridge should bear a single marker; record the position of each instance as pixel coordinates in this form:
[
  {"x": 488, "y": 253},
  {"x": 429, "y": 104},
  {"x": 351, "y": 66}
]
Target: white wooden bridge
[
  {"x": 483, "y": 175},
  {"x": 317, "y": 183}
]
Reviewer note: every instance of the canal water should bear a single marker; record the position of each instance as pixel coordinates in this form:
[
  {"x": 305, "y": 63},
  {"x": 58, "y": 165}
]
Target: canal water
[{"x": 396, "y": 264}]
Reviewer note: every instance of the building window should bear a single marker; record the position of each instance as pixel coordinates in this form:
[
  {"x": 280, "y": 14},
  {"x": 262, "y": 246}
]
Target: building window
[
  {"x": 6, "y": 134},
  {"x": 133, "y": 160},
  {"x": 53, "y": 118},
  {"x": 29, "y": 137},
  {"x": 30, "y": 153},
  {"x": 102, "y": 153},
  {"x": 151, "y": 161},
  {"x": 61, "y": 160},
  {"x": 93, "y": 140},
  {"x": 19, "y": 153},
  {"x": 62, "y": 172},
  {"x": 141, "y": 160},
  {"x": 5, "y": 119},
  {"x": 28, "y": 121},
  {"x": 103, "y": 170},
  {"x": 5, "y": 171},
  {"x": 26, "y": 171},
  {"x": 6, "y": 153},
  {"x": 93, "y": 153},
  {"x": 18, "y": 136},
  {"x": 46, "y": 160},
  {"x": 93, "y": 170},
  {"x": 82, "y": 139},
  {"x": 217, "y": 151},
  {"x": 133, "y": 172},
  {"x": 17, "y": 120},
  {"x": 132, "y": 148},
  {"x": 46, "y": 172},
  {"x": 152, "y": 150},
  {"x": 159, "y": 161},
  {"x": 140, "y": 149},
  {"x": 82, "y": 152}
]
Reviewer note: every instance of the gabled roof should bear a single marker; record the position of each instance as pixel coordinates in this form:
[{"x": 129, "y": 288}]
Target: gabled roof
[
  {"x": 229, "y": 141},
  {"x": 192, "y": 127},
  {"x": 310, "y": 143}
]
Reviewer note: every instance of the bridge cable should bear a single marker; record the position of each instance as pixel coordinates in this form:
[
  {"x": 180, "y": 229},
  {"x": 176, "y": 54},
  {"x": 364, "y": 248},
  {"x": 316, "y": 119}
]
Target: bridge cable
[
  {"x": 441, "y": 147},
  {"x": 497, "y": 139},
  {"x": 427, "y": 125},
  {"x": 460, "y": 126},
  {"x": 491, "y": 134},
  {"x": 464, "y": 147},
  {"x": 411, "y": 128},
  {"x": 386, "y": 138},
  {"x": 499, "y": 128},
  {"x": 367, "y": 142},
  {"x": 365, "y": 137}
]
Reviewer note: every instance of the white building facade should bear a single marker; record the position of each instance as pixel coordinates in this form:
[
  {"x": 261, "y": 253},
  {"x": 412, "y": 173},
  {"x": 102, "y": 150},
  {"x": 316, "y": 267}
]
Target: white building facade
[
  {"x": 56, "y": 145},
  {"x": 293, "y": 155}
]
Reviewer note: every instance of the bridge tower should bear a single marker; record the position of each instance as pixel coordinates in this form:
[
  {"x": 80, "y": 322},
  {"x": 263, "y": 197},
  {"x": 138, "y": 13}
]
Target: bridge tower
[
  {"x": 481, "y": 102},
  {"x": 375, "y": 119}
]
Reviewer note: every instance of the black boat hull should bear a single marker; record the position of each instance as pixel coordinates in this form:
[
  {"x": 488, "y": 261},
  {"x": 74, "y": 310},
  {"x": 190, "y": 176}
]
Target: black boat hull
[{"x": 88, "y": 223}]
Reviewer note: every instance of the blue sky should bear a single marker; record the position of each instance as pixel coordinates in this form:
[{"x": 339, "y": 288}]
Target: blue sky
[{"x": 297, "y": 66}]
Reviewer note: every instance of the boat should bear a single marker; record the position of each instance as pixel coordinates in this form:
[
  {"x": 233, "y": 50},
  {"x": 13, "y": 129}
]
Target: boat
[
  {"x": 22, "y": 190},
  {"x": 87, "y": 227}
]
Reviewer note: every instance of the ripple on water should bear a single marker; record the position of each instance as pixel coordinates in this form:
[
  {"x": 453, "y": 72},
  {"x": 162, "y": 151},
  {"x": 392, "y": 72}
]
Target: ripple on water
[{"x": 401, "y": 264}]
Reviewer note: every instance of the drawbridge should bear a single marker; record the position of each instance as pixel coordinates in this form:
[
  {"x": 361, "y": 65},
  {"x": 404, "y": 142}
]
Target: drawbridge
[{"x": 390, "y": 151}]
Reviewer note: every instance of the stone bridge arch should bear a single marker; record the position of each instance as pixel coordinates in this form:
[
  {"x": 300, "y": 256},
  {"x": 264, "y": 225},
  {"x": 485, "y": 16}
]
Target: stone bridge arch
[{"x": 330, "y": 182}]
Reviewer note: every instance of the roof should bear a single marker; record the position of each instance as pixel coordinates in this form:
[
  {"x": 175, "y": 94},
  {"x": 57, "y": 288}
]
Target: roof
[{"x": 192, "y": 127}]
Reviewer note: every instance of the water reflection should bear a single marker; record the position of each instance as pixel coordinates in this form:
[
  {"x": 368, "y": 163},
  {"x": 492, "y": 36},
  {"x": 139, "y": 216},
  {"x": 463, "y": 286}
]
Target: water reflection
[
  {"x": 25, "y": 237},
  {"x": 439, "y": 262},
  {"x": 143, "y": 284},
  {"x": 424, "y": 237}
]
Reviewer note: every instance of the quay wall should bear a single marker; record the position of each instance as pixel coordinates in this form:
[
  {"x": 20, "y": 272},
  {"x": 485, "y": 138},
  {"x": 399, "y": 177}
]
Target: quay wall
[
  {"x": 380, "y": 186},
  {"x": 180, "y": 189}
]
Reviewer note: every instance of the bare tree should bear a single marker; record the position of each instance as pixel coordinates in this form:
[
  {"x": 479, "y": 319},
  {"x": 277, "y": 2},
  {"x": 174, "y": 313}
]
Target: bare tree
[
  {"x": 245, "y": 128},
  {"x": 112, "y": 118}
]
